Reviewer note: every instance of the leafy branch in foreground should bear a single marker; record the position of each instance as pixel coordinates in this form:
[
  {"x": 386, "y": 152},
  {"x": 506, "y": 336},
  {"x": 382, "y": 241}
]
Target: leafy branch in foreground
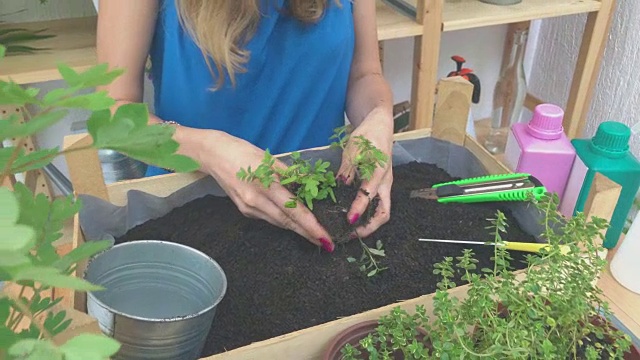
[{"x": 30, "y": 319}]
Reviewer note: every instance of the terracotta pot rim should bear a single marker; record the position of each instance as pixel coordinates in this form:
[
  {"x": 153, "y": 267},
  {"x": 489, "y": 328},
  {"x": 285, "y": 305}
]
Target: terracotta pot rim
[
  {"x": 341, "y": 339},
  {"x": 358, "y": 330}
]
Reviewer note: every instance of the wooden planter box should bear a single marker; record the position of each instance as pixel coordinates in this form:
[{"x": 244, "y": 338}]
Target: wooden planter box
[{"x": 452, "y": 107}]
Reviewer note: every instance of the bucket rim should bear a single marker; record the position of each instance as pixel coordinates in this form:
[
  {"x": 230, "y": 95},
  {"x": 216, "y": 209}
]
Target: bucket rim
[{"x": 216, "y": 302}]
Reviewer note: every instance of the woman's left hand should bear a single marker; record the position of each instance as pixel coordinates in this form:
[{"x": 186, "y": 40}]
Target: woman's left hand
[{"x": 377, "y": 127}]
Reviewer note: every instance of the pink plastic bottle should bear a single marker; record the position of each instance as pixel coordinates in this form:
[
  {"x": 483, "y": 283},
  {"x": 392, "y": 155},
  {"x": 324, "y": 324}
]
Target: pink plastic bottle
[{"x": 541, "y": 148}]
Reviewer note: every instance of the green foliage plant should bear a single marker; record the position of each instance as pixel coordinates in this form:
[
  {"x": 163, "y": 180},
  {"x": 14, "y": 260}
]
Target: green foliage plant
[
  {"x": 30, "y": 224},
  {"x": 367, "y": 157},
  {"x": 307, "y": 180},
  {"x": 554, "y": 310},
  {"x": 313, "y": 181}
]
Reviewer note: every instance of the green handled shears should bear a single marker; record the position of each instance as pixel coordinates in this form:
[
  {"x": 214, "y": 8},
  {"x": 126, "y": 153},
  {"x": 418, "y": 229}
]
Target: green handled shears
[
  {"x": 517, "y": 246},
  {"x": 501, "y": 187}
]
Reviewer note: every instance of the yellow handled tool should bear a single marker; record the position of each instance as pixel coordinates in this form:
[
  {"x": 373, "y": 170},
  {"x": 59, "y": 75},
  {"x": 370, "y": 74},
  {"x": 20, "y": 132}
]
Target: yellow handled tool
[{"x": 517, "y": 246}]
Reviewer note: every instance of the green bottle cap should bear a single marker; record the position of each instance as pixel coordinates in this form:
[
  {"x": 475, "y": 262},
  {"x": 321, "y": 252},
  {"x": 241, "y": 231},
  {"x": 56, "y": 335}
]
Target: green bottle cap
[{"x": 611, "y": 139}]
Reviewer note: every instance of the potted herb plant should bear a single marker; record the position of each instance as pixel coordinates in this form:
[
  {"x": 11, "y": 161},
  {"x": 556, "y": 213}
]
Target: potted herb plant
[
  {"x": 554, "y": 310},
  {"x": 30, "y": 319}
]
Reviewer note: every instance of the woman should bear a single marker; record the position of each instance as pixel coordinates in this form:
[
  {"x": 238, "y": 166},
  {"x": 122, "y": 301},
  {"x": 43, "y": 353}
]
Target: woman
[{"x": 291, "y": 70}]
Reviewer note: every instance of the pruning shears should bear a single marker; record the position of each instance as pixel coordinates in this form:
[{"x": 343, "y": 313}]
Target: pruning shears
[
  {"x": 517, "y": 246},
  {"x": 502, "y": 187}
]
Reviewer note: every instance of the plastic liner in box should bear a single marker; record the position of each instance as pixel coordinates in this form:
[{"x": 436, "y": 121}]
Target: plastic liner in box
[{"x": 101, "y": 220}]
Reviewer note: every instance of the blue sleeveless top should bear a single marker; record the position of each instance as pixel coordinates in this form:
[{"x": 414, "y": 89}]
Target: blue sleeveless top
[{"x": 292, "y": 95}]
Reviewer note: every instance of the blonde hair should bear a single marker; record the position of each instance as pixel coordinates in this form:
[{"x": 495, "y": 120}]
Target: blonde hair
[{"x": 221, "y": 28}]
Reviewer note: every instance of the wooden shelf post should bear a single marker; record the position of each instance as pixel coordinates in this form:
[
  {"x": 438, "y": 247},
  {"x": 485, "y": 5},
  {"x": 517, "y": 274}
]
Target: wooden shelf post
[
  {"x": 426, "y": 53},
  {"x": 587, "y": 68}
]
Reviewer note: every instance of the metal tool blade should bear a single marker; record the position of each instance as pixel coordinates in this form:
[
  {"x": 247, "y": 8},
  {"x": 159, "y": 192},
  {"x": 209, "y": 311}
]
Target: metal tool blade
[
  {"x": 429, "y": 194},
  {"x": 456, "y": 241}
]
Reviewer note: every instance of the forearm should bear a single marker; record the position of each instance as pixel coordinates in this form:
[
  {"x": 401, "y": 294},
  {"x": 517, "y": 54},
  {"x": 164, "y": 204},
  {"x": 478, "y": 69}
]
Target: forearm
[{"x": 367, "y": 94}]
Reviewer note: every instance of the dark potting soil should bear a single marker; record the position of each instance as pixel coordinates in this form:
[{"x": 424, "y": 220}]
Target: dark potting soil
[{"x": 279, "y": 283}]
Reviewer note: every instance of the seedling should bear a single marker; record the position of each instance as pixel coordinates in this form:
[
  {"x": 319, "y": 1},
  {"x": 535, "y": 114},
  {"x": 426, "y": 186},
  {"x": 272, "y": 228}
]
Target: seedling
[
  {"x": 308, "y": 181},
  {"x": 264, "y": 173},
  {"x": 341, "y": 136},
  {"x": 368, "y": 263},
  {"x": 311, "y": 181},
  {"x": 367, "y": 157}
]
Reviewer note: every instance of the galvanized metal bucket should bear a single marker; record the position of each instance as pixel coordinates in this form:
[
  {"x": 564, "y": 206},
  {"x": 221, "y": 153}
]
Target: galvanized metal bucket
[
  {"x": 160, "y": 298},
  {"x": 117, "y": 166}
]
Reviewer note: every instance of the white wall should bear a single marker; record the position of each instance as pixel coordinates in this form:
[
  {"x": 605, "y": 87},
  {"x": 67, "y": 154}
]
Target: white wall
[
  {"x": 617, "y": 93},
  {"x": 482, "y": 48}
]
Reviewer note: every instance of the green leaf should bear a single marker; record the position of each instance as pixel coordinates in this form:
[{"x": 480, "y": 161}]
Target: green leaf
[
  {"x": 5, "y": 310},
  {"x": 12, "y": 49},
  {"x": 377, "y": 252},
  {"x": 34, "y": 160},
  {"x": 97, "y": 75},
  {"x": 15, "y": 95},
  {"x": 15, "y": 238},
  {"x": 9, "y": 207},
  {"x": 95, "y": 101},
  {"x": 351, "y": 259},
  {"x": 12, "y": 258},
  {"x": 23, "y": 35},
  {"x": 82, "y": 252},
  {"x": 56, "y": 323},
  {"x": 7, "y": 338},
  {"x": 40, "y": 122},
  {"x": 90, "y": 347},
  {"x": 51, "y": 276},
  {"x": 9, "y": 126},
  {"x": 33, "y": 349},
  {"x": 3, "y": 51},
  {"x": 128, "y": 132},
  {"x": 372, "y": 272}
]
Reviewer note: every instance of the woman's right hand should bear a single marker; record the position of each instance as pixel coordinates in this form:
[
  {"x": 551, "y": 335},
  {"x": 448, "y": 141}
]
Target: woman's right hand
[{"x": 222, "y": 155}]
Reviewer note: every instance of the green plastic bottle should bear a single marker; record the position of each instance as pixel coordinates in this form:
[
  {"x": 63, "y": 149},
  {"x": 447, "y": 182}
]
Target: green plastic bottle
[{"x": 607, "y": 153}]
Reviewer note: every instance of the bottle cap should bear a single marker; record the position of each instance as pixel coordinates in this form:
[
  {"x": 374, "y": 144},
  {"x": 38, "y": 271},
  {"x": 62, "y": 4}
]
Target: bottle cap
[
  {"x": 546, "y": 122},
  {"x": 611, "y": 139}
]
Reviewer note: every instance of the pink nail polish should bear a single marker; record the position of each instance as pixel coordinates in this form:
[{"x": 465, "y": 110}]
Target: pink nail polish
[
  {"x": 354, "y": 218},
  {"x": 327, "y": 245}
]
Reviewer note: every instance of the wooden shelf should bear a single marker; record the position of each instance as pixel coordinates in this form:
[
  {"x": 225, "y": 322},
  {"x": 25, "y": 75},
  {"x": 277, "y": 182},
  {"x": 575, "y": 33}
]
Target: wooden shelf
[
  {"x": 467, "y": 14},
  {"x": 74, "y": 44},
  {"x": 393, "y": 25}
]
